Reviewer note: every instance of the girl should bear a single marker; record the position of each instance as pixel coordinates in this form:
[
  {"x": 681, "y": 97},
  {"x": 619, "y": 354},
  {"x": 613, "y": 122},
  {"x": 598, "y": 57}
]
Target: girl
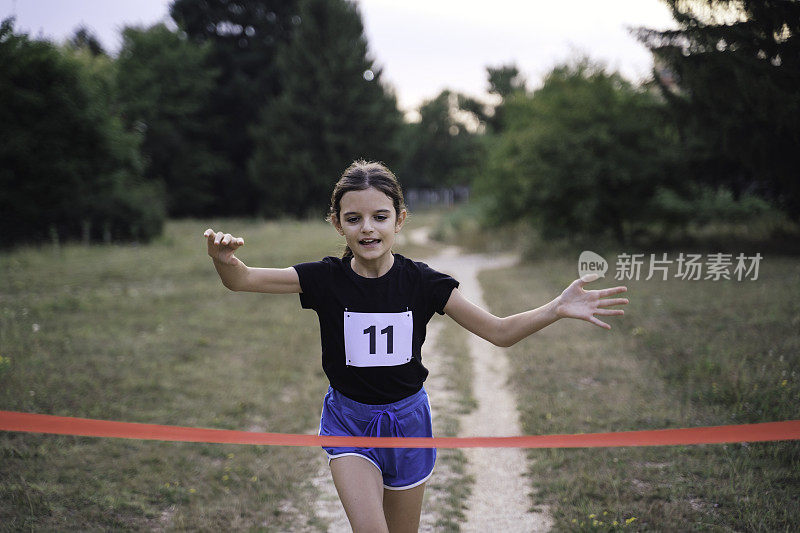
[{"x": 373, "y": 307}]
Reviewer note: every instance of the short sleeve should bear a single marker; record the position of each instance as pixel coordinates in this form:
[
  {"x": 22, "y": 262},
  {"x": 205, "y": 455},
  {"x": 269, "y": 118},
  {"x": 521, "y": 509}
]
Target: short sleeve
[
  {"x": 438, "y": 287},
  {"x": 314, "y": 279}
]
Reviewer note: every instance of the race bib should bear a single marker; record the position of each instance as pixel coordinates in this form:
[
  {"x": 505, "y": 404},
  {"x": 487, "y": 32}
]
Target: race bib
[{"x": 377, "y": 339}]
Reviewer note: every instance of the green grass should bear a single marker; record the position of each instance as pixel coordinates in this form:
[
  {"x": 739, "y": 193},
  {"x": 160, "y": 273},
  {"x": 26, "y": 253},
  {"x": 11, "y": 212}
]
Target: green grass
[
  {"x": 686, "y": 354},
  {"x": 149, "y": 334}
]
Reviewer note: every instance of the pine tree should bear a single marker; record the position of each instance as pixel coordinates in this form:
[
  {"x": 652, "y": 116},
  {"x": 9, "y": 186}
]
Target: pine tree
[
  {"x": 163, "y": 87},
  {"x": 731, "y": 74},
  {"x": 333, "y": 109},
  {"x": 246, "y": 36}
]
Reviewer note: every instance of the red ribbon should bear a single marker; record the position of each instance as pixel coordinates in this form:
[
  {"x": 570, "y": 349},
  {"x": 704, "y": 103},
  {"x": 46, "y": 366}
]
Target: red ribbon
[{"x": 62, "y": 425}]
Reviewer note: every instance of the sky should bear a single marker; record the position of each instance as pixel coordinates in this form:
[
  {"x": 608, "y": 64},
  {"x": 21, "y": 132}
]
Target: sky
[{"x": 423, "y": 46}]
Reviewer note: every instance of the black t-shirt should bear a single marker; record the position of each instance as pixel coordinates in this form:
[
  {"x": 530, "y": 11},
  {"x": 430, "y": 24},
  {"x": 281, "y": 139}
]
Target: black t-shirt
[{"x": 391, "y": 306}]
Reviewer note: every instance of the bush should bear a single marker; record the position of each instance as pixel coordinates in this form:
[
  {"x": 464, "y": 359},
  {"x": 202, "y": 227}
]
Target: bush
[
  {"x": 68, "y": 170},
  {"x": 583, "y": 155}
]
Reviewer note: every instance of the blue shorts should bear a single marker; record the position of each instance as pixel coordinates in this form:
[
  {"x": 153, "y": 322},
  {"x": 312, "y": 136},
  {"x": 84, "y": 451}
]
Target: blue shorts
[{"x": 401, "y": 468}]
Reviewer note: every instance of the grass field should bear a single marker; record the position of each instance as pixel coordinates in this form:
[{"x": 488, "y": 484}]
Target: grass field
[
  {"x": 149, "y": 334},
  {"x": 687, "y": 353}
]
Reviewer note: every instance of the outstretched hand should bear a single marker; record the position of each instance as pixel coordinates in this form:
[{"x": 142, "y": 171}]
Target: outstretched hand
[
  {"x": 575, "y": 302},
  {"x": 221, "y": 246}
]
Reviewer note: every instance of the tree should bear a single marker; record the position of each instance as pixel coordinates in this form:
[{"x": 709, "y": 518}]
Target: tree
[
  {"x": 163, "y": 87},
  {"x": 582, "y": 155},
  {"x": 332, "y": 110},
  {"x": 449, "y": 144},
  {"x": 245, "y": 38},
  {"x": 67, "y": 167},
  {"x": 440, "y": 150},
  {"x": 736, "y": 100},
  {"x": 505, "y": 80},
  {"x": 84, "y": 38}
]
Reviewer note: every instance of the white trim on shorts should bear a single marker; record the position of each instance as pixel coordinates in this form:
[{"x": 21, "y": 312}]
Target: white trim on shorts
[
  {"x": 331, "y": 457},
  {"x": 420, "y": 482},
  {"x": 406, "y": 487}
]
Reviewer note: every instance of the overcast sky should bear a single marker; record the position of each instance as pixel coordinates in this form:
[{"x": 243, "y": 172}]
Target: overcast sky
[{"x": 423, "y": 46}]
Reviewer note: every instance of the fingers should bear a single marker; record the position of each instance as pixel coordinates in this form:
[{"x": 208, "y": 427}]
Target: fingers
[
  {"x": 210, "y": 235},
  {"x": 608, "y": 302},
  {"x": 224, "y": 239},
  {"x": 609, "y": 312},
  {"x": 598, "y": 322},
  {"x": 233, "y": 242},
  {"x": 588, "y": 278},
  {"x": 612, "y": 291},
  {"x": 213, "y": 236}
]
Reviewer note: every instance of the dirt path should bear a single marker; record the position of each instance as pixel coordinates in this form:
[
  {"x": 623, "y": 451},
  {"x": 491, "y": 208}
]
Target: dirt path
[{"x": 500, "y": 498}]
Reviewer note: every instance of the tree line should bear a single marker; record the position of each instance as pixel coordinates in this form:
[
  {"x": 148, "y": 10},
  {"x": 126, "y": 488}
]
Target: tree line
[
  {"x": 712, "y": 137},
  {"x": 254, "y": 107}
]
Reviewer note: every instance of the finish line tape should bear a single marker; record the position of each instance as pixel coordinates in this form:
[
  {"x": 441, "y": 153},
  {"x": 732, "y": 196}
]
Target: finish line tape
[{"x": 84, "y": 427}]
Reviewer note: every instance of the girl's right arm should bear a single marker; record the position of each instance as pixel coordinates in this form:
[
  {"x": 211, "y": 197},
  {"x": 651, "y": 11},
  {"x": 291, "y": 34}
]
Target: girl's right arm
[{"x": 237, "y": 276}]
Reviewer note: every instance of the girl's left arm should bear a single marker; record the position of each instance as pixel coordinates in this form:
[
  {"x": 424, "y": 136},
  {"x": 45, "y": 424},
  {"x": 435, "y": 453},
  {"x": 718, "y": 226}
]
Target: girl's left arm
[{"x": 573, "y": 302}]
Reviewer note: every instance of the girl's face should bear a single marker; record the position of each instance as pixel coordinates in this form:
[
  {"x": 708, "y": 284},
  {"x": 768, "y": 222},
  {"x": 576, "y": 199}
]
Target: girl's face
[{"x": 368, "y": 222}]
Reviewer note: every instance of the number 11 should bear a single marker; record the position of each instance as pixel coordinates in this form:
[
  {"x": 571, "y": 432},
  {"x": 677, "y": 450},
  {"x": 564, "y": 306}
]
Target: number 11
[{"x": 388, "y": 331}]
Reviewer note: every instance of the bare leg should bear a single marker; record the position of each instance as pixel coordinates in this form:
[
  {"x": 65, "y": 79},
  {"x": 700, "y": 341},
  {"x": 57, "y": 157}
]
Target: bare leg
[
  {"x": 360, "y": 487},
  {"x": 402, "y": 509}
]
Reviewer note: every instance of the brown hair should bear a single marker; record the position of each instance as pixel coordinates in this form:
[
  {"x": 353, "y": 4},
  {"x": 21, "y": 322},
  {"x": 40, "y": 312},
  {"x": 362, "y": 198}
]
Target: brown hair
[{"x": 361, "y": 175}]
